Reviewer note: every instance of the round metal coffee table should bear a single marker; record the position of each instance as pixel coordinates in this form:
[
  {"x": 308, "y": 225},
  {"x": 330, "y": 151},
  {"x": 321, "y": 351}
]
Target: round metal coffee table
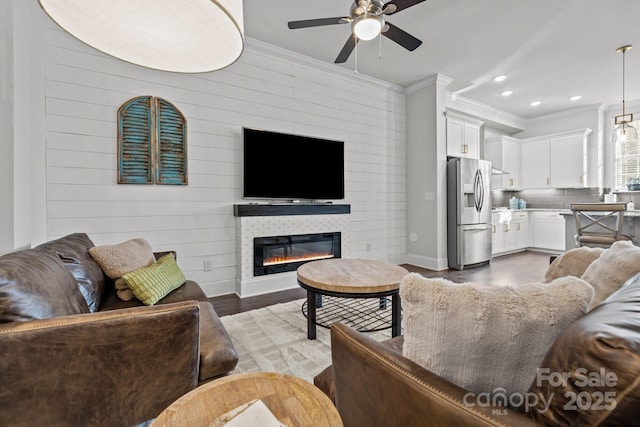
[{"x": 351, "y": 278}]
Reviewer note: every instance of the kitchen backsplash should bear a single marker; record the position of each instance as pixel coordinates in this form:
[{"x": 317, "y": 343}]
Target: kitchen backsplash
[{"x": 557, "y": 198}]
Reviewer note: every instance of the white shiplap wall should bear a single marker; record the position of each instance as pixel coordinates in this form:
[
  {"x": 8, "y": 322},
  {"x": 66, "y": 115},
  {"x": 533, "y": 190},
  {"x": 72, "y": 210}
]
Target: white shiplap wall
[{"x": 84, "y": 89}]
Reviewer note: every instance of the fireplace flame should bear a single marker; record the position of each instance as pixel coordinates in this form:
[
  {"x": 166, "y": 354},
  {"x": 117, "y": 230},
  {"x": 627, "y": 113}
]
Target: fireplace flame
[{"x": 277, "y": 260}]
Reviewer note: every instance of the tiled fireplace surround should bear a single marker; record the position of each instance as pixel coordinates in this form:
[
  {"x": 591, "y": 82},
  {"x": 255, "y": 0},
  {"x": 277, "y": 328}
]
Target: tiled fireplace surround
[{"x": 249, "y": 227}]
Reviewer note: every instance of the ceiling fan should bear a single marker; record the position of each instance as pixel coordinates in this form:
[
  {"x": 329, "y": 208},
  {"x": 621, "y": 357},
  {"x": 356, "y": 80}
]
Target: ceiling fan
[{"x": 367, "y": 22}]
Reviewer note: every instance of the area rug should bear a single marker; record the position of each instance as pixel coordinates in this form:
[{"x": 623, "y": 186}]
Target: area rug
[{"x": 274, "y": 339}]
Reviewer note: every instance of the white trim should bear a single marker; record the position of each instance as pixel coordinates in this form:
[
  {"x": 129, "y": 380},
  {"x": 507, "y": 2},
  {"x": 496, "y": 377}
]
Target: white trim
[
  {"x": 490, "y": 115},
  {"x": 582, "y": 131},
  {"x": 429, "y": 81},
  {"x": 258, "y": 46},
  {"x": 219, "y": 288},
  {"x": 565, "y": 113},
  {"x": 267, "y": 284},
  {"x": 462, "y": 116},
  {"x": 463, "y": 100},
  {"x": 437, "y": 264},
  {"x": 616, "y": 109}
]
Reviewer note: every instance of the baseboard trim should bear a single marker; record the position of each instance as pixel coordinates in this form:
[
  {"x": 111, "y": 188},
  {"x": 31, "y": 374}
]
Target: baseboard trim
[
  {"x": 437, "y": 264},
  {"x": 267, "y": 284}
]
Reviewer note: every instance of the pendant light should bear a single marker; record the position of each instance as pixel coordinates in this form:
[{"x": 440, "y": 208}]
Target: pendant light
[
  {"x": 184, "y": 36},
  {"x": 625, "y": 131}
]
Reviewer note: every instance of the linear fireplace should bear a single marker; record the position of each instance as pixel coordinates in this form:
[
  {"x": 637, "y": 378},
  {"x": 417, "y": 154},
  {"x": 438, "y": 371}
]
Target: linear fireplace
[{"x": 278, "y": 254}]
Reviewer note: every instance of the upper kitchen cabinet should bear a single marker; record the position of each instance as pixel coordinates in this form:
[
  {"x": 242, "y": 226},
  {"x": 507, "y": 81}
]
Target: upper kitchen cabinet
[
  {"x": 568, "y": 160},
  {"x": 463, "y": 136},
  {"x": 535, "y": 164},
  {"x": 505, "y": 155},
  {"x": 555, "y": 161}
]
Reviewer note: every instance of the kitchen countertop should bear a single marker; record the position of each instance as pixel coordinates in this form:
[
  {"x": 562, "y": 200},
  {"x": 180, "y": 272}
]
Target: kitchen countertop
[
  {"x": 632, "y": 213},
  {"x": 532, "y": 210},
  {"x": 626, "y": 213}
]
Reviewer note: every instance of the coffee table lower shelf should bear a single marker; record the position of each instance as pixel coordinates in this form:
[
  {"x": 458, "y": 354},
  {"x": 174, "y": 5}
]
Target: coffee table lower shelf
[
  {"x": 377, "y": 311},
  {"x": 362, "y": 314}
]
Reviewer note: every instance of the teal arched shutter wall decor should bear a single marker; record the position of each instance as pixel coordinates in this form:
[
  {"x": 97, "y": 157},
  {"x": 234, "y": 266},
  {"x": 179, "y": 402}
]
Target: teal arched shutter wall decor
[
  {"x": 152, "y": 142},
  {"x": 135, "y": 136},
  {"x": 172, "y": 147}
]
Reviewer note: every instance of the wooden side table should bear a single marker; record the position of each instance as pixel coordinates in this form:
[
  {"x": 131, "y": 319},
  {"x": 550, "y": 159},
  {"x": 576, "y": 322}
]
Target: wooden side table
[
  {"x": 293, "y": 401},
  {"x": 351, "y": 278}
]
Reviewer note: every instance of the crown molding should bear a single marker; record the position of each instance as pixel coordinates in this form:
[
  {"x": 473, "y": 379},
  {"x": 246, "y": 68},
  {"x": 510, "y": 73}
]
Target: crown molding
[
  {"x": 565, "y": 113},
  {"x": 261, "y": 47},
  {"x": 582, "y": 131},
  {"x": 617, "y": 108},
  {"x": 440, "y": 79},
  {"x": 489, "y": 114}
]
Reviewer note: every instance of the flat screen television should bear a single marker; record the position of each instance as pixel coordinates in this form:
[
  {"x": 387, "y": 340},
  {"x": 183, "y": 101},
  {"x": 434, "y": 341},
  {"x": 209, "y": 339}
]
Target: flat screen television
[{"x": 282, "y": 166}]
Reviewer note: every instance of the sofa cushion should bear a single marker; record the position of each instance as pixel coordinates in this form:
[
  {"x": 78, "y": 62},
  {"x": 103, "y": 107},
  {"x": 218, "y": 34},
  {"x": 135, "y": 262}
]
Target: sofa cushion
[
  {"x": 485, "y": 337},
  {"x": 73, "y": 250},
  {"x": 603, "y": 347},
  {"x": 122, "y": 258},
  {"x": 34, "y": 284},
  {"x": 189, "y": 291},
  {"x": 615, "y": 266},
  {"x": 574, "y": 262},
  {"x": 152, "y": 283}
]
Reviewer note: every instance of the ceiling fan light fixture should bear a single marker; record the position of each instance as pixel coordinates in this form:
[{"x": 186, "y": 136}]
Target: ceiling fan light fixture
[
  {"x": 185, "y": 36},
  {"x": 367, "y": 26}
]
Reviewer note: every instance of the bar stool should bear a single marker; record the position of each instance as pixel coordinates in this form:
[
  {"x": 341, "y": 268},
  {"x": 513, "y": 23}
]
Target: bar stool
[{"x": 593, "y": 231}]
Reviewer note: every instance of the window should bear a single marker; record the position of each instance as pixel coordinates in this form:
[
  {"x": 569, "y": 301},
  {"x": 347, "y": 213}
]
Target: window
[
  {"x": 627, "y": 161},
  {"x": 152, "y": 142}
]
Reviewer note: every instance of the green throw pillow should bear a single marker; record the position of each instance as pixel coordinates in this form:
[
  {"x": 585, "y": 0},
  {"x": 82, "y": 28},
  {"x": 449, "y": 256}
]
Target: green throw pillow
[{"x": 152, "y": 283}]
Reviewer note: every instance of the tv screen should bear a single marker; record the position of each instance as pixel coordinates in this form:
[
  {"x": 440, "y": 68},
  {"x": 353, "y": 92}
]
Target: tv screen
[{"x": 283, "y": 166}]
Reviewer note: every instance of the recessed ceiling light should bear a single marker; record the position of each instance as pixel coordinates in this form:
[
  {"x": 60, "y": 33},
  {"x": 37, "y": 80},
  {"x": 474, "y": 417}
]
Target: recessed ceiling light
[
  {"x": 507, "y": 92},
  {"x": 498, "y": 79},
  {"x": 535, "y": 103},
  {"x": 575, "y": 98}
]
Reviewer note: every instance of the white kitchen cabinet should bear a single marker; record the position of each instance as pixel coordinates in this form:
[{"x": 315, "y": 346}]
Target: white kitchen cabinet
[
  {"x": 548, "y": 231},
  {"x": 497, "y": 228},
  {"x": 535, "y": 164},
  {"x": 555, "y": 161},
  {"x": 463, "y": 136},
  {"x": 505, "y": 154},
  {"x": 516, "y": 232},
  {"x": 521, "y": 229},
  {"x": 510, "y": 231},
  {"x": 568, "y": 160}
]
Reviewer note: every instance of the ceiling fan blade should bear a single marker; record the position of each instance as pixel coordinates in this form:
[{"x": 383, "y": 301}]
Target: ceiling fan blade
[
  {"x": 401, "y": 37},
  {"x": 402, "y": 4},
  {"x": 347, "y": 49},
  {"x": 293, "y": 25}
]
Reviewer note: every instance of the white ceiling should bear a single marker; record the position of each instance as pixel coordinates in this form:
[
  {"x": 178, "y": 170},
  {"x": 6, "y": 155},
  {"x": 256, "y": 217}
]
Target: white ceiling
[{"x": 549, "y": 49}]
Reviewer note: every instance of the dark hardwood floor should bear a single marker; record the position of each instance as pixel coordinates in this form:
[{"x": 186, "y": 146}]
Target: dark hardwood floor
[{"x": 517, "y": 268}]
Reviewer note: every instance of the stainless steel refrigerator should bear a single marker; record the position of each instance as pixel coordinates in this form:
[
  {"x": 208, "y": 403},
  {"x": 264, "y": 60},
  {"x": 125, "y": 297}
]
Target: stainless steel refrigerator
[{"x": 468, "y": 212}]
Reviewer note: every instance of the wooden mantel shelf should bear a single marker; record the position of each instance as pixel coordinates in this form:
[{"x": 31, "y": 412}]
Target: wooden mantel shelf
[{"x": 278, "y": 209}]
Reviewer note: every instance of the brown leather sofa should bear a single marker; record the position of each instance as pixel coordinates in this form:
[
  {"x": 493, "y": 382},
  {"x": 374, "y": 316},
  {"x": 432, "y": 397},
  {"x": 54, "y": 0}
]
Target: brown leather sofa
[
  {"x": 372, "y": 384},
  {"x": 109, "y": 362}
]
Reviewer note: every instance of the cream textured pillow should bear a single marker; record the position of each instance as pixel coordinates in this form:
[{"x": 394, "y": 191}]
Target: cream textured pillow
[
  {"x": 612, "y": 269},
  {"x": 118, "y": 260},
  {"x": 574, "y": 262},
  {"x": 484, "y": 337}
]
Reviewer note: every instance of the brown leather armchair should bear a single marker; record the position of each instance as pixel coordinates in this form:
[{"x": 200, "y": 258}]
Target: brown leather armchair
[
  {"x": 117, "y": 364},
  {"x": 372, "y": 384}
]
